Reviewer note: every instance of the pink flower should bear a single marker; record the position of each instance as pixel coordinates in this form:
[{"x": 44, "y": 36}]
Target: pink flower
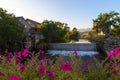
[
  {"x": 87, "y": 63},
  {"x": 6, "y": 51},
  {"x": 9, "y": 54},
  {"x": 7, "y": 61},
  {"x": 43, "y": 60},
  {"x": 115, "y": 71},
  {"x": 17, "y": 60},
  {"x": 41, "y": 70},
  {"x": 19, "y": 54},
  {"x": 22, "y": 67},
  {"x": 111, "y": 54},
  {"x": 25, "y": 53},
  {"x": 2, "y": 74},
  {"x": 117, "y": 50},
  {"x": 75, "y": 53},
  {"x": 115, "y": 64},
  {"x": 67, "y": 66},
  {"x": 50, "y": 74},
  {"x": 14, "y": 78},
  {"x": 0, "y": 57},
  {"x": 41, "y": 51}
]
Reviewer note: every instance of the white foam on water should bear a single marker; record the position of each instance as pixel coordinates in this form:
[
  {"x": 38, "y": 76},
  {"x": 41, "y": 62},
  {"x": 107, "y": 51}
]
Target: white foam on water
[{"x": 65, "y": 53}]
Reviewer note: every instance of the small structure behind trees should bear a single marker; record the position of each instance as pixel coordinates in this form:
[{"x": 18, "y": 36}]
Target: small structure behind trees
[{"x": 31, "y": 34}]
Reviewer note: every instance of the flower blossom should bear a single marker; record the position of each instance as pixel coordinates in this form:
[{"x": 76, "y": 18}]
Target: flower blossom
[
  {"x": 41, "y": 51},
  {"x": 87, "y": 63},
  {"x": 111, "y": 54},
  {"x": 41, "y": 70},
  {"x": 0, "y": 57},
  {"x": 25, "y": 53},
  {"x": 115, "y": 71},
  {"x": 14, "y": 78},
  {"x": 50, "y": 74},
  {"x": 67, "y": 66},
  {"x": 9, "y": 54},
  {"x": 7, "y": 61},
  {"x": 115, "y": 64},
  {"x": 117, "y": 50},
  {"x": 2, "y": 74},
  {"x": 17, "y": 60},
  {"x": 42, "y": 61},
  {"x": 19, "y": 54},
  {"x": 75, "y": 53},
  {"x": 22, "y": 67}
]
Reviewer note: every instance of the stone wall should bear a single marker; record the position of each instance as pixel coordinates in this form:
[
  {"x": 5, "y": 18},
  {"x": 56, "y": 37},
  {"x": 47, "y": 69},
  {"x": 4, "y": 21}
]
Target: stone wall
[{"x": 111, "y": 43}]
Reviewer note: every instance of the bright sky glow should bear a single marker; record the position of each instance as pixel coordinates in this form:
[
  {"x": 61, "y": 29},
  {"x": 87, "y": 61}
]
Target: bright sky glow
[{"x": 76, "y": 13}]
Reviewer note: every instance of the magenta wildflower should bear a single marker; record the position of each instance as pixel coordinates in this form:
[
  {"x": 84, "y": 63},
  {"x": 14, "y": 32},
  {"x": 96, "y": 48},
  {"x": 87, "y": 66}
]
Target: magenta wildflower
[
  {"x": 115, "y": 64},
  {"x": 14, "y": 78},
  {"x": 67, "y": 66},
  {"x": 115, "y": 71},
  {"x": 19, "y": 54},
  {"x": 42, "y": 61},
  {"x": 87, "y": 63},
  {"x": 6, "y": 51},
  {"x": 0, "y": 57},
  {"x": 7, "y": 61},
  {"x": 25, "y": 53},
  {"x": 50, "y": 74},
  {"x": 111, "y": 54},
  {"x": 75, "y": 53},
  {"x": 41, "y": 51},
  {"x": 41, "y": 70},
  {"x": 22, "y": 67},
  {"x": 117, "y": 50},
  {"x": 17, "y": 60},
  {"x": 9, "y": 54},
  {"x": 2, "y": 74}
]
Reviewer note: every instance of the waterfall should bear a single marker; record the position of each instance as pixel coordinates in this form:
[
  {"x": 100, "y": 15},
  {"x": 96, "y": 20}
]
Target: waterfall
[
  {"x": 66, "y": 48},
  {"x": 73, "y": 46}
]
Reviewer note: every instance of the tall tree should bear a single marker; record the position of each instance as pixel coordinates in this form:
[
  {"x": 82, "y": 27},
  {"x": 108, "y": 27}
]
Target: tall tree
[
  {"x": 105, "y": 21},
  {"x": 74, "y": 35},
  {"x": 53, "y": 31},
  {"x": 11, "y": 31},
  {"x": 116, "y": 30}
]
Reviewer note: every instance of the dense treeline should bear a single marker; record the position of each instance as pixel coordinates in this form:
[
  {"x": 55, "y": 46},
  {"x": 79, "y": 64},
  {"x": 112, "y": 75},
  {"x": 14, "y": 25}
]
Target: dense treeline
[
  {"x": 108, "y": 23},
  {"x": 11, "y": 32},
  {"x": 57, "y": 32}
]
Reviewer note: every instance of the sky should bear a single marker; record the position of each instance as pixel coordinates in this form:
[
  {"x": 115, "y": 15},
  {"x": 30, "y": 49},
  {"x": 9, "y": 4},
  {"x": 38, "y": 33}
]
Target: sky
[{"x": 76, "y": 13}]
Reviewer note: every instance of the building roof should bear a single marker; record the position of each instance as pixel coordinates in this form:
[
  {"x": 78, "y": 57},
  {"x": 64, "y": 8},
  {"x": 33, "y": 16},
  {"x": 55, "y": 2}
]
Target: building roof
[{"x": 32, "y": 21}]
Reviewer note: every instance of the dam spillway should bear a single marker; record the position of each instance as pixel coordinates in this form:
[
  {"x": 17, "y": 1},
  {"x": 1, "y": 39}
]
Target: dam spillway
[
  {"x": 73, "y": 46},
  {"x": 65, "y": 48}
]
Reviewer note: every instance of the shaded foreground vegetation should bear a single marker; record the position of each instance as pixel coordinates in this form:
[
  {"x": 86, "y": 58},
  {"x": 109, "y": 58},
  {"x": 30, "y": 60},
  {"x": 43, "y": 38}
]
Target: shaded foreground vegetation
[{"x": 36, "y": 66}]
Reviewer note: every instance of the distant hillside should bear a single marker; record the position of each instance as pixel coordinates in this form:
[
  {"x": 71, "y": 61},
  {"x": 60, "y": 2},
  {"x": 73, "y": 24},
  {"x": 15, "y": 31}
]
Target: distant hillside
[{"x": 82, "y": 30}]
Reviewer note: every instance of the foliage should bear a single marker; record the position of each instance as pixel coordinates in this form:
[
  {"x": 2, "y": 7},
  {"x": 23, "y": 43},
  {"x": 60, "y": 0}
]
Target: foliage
[
  {"x": 105, "y": 21},
  {"x": 98, "y": 40},
  {"x": 53, "y": 31},
  {"x": 11, "y": 31},
  {"x": 116, "y": 30},
  {"x": 70, "y": 68},
  {"x": 57, "y": 32},
  {"x": 74, "y": 35}
]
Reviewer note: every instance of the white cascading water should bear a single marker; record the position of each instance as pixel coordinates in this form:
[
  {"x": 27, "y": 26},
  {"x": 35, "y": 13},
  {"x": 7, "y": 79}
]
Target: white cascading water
[{"x": 82, "y": 47}]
